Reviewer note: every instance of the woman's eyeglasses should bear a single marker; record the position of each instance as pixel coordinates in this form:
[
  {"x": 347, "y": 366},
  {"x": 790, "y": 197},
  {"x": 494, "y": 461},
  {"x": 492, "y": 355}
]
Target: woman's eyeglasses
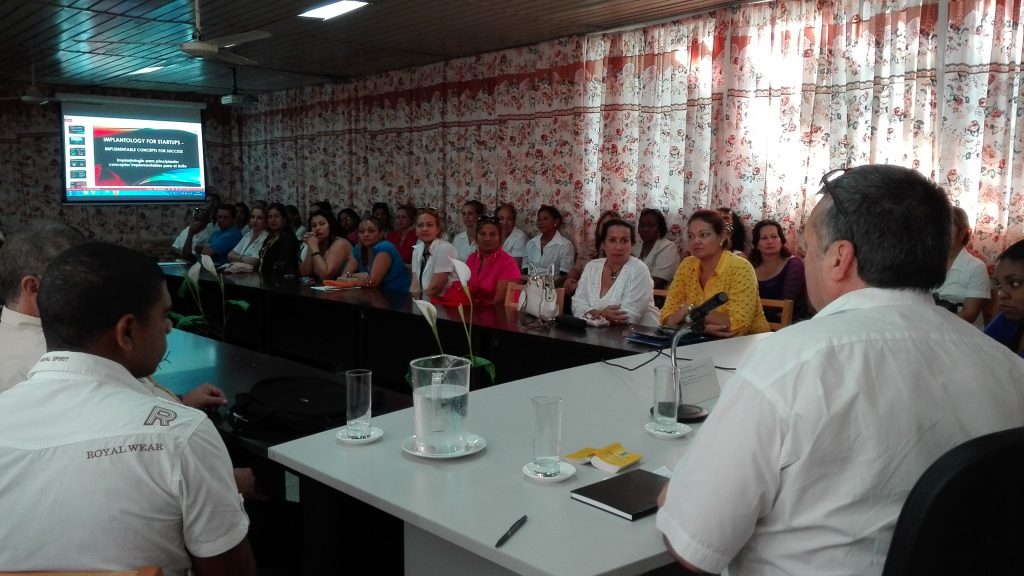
[
  {"x": 487, "y": 220},
  {"x": 826, "y": 186}
]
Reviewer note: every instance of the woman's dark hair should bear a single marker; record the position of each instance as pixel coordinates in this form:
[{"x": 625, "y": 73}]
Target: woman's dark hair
[
  {"x": 89, "y": 287},
  {"x": 737, "y": 234},
  {"x": 510, "y": 208},
  {"x": 382, "y": 222},
  {"x": 292, "y": 211},
  {"x": 553, "y": 212},
  {"x": 478, "y": 207},
  {"x": 352, "y": 214},
  {"x": 1015, "y": 253},
  {"x": 488, "y": 221},
  {"x": 288, "y": 226},
  {"x": 711, "y": 217},
  {"x": 755, "y": 253},
  {"x": 662, "y": 224},
  {"x": 242, "y": 211},
  {"x": 333, "y": 227},
  {"x": 615, "y": 222}
]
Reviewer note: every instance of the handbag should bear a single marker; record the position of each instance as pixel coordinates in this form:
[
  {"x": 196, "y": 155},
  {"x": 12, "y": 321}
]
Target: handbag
[{"x": 539, "y": 297}]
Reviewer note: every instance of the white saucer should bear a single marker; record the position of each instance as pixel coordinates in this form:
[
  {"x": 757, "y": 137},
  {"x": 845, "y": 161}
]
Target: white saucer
[
  {"x": 474, "y": 444},
  {"x": 375, "y": 434},
  {"x": 681, "y": 430},
  {"x": 565, "y": 471}
]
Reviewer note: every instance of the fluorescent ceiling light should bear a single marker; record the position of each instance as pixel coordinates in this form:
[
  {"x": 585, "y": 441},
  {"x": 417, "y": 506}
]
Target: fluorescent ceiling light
[
  {"x": 331, "y": 10},
  {"x": 146, "y": 70}
]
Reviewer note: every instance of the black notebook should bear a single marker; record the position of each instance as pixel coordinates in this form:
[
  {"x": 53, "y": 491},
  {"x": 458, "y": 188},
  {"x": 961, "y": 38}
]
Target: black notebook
[{"x": 631, "y": 495}]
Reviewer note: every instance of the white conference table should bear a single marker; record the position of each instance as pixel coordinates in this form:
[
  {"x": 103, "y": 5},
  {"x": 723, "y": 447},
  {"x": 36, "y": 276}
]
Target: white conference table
[{"x": 454, "y": 510}]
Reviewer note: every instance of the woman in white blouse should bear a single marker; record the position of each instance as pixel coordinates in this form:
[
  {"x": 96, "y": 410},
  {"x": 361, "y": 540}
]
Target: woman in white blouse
[
  {"x": 465, "y": 242},
  {"x": 549, "y": 249},
  {"x": 248, "y": 248},
  {"x": 515, "y": 238},
  {"x": 432, "y": 269},
  {"x": 967, "y": 286},
  {"x": 617, "y": 287},
  {"x": 659, "y": 254}
]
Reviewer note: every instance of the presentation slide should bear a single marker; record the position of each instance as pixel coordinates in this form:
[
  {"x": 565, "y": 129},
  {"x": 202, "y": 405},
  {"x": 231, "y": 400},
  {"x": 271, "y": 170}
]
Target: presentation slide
[{"x": 115, "y": 159}]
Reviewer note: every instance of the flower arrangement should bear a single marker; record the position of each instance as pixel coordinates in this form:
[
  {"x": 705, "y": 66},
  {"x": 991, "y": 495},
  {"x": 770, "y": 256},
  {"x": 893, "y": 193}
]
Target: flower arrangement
[
  {"x": 200, "y": 321},
  {"x": 429, "y": 312}
]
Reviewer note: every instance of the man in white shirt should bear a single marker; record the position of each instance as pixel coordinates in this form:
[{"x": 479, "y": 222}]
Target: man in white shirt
[
  {"x": 805, "y": 463},
  {"x": 99, "y": 474},
  {"x": 22, "y": 261}
]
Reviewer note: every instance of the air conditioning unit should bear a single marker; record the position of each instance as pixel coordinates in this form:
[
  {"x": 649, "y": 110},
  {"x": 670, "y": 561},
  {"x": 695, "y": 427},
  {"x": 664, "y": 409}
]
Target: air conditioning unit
[{"x": 238, "y": 100}]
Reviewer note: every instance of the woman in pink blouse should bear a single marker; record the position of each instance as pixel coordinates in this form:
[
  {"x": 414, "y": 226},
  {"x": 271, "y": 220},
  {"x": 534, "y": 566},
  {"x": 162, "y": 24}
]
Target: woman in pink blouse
[{"x": 491, "y": 267}]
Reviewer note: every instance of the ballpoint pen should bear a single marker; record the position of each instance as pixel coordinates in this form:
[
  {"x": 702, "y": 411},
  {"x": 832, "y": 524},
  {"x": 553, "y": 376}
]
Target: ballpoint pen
[{"x": 504, "y": 537}]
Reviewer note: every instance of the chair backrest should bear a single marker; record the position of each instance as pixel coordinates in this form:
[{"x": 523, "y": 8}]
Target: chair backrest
[
  {"x": 781, "y": 309},
  {"x": 965, "y": 515},
  {"x": 512, "y": 294},
  {"x": 144, "y": 571}
]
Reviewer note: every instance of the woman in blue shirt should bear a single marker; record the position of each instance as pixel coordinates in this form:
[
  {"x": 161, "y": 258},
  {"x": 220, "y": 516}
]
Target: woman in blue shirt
[
  {"x": 1008, "y": 281},
  {"x": 376, "y": 261}
]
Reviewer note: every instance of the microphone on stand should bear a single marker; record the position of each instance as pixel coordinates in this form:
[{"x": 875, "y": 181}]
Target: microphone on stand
[{"x": 688, "y": 412}]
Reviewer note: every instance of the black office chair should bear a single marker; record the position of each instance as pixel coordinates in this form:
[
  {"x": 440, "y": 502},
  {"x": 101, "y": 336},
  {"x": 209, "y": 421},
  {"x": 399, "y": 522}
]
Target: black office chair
[{"x": 965, "y": 514}]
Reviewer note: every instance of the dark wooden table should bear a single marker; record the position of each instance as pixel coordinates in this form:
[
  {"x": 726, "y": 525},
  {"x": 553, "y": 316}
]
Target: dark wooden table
[{"x": 383, "y": 331}]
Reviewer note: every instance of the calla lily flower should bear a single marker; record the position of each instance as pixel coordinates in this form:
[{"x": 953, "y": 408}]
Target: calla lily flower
[
  {"x": 430, "y": 313},
  {"x": 193, "y": 272},
  {"x": 464, "y": 274},
  {"x": 208, "y": 264}
]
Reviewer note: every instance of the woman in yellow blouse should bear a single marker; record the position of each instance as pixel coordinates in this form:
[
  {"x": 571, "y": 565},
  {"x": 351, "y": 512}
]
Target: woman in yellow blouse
[{"x": 709, "y": 270}]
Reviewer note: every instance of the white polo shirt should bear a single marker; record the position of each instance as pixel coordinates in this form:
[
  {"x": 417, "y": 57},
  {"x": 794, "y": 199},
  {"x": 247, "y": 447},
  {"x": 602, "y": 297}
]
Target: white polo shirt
[
  {"x": 200, "y": 237},
  {"x": 463, "y": 247},
  {"x": 438, "y": 260},
  {"x": 559, "y": 252},
  {"x": 515, "y": 244},
  {"x": 21, "y": 345},
  {"x": 966, "y": 278},
  {"x": 248, "y": 246},
  {"x": 99, "y": 474},
  {"x": 806, "y": 461}
]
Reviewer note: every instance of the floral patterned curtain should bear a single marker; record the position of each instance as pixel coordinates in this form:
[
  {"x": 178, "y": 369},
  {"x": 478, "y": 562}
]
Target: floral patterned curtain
[{"x": 744, "y": 107}]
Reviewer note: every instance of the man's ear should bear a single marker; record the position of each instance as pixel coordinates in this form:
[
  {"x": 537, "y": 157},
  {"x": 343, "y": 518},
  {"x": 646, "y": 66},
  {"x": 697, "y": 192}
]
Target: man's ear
[
  {"x": 124, "y": 332},
  {"x": 842, "y": 260},
  {"x": 29, "y": 285}
]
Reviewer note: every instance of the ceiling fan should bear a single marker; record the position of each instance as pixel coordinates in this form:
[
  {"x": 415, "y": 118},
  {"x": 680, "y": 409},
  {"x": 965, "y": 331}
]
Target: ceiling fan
[
  {"x": 33, "y": 94},
  {"x": 214, "y": 48}
]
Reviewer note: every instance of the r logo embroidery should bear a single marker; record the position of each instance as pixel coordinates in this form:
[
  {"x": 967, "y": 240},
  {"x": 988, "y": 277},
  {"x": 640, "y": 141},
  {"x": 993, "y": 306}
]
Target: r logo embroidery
[{"x": 161, "y": 415}]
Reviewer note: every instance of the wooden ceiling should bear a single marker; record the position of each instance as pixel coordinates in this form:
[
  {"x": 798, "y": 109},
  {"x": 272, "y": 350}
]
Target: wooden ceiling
[{"x": 101, "y": 42}]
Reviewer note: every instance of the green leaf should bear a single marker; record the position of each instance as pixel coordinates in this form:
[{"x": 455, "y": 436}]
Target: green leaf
[
  {"x": 243, "y": 304},
  {"x": 487, "y": 365}
]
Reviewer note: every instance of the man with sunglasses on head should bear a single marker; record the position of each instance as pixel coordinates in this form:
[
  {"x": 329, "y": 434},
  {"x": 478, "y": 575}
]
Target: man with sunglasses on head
[{"x": 804, "y": 464}]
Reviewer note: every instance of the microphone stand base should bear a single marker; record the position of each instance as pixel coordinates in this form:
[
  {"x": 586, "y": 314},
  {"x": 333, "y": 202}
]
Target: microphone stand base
[{"x": 690, "y": 414}]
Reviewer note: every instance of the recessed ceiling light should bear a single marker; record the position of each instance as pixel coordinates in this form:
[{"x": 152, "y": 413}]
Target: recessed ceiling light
[
  {"x": 146, "y": 70},
  {"x": 331, "y": 10}
]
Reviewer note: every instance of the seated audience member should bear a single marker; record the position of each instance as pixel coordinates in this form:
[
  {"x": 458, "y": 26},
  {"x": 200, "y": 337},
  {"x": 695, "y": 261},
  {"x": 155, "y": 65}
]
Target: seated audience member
[
  {"x": 515, "y": 238},
  {"x": 549, "y": 249},
  {"x": 597, "y": 251},
  {"x": 382, "y": 212},
  {"x": 376, "y": 261},
  {"x": 780, "y": 275},
  {"x": 735, "y": 232},
  {"x": 617, "y": 287},
  {"x": 224, "y": 238},
  {"x": 326, "y": 251},
  {"x": 1008, "y": 325},
  {"x": 242, "y": 215},
  {"x": 432, "y": 269},
  {"x": 279, "y": 254},
  {"x": 248, "y": 248},
  {"x": 349, "y": 221},
  {"x": 23, "y": 259},
  {"x": 465, "y": 241},
  {"x": 711, "y": 269},
  {"x": 403, "y": 237},
  {"x": 490, "y": 266},
  {"x": 198, "y": 231},
  {"x": 295, "y": 220},
  {"x": 149, "y": 479},
  {"x": 967, "y": 289},
  {"x": 808, "y": 457},
  {"x": 660, "y": 254}
]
